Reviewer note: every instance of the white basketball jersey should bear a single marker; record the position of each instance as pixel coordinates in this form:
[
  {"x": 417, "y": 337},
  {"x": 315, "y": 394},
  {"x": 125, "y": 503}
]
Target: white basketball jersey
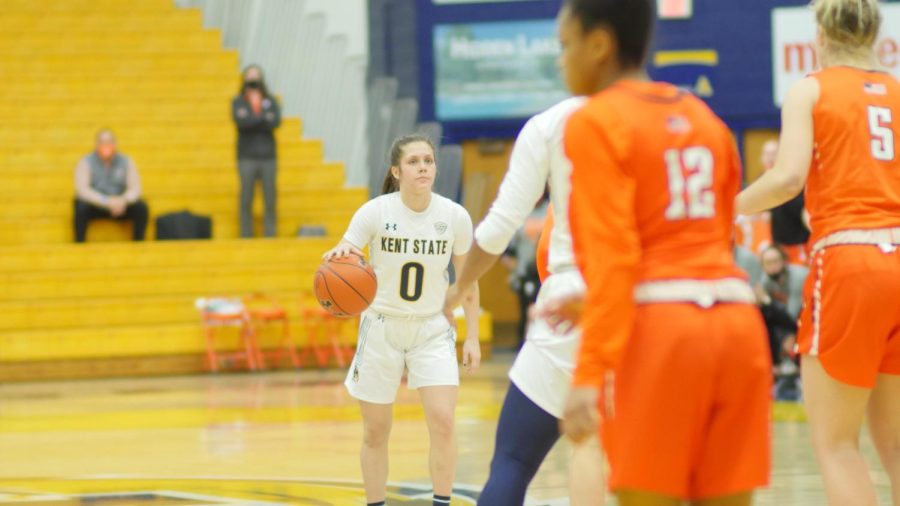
[
  {"x": 538, "y": 158},
  {"x": 410, "y": 251}
]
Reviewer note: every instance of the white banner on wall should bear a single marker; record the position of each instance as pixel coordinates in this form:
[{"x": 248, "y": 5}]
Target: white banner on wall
[{"x": 793, "y": 39}]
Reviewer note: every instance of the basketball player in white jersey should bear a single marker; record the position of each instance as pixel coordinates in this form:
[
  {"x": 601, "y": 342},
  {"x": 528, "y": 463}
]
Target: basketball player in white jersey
[
  {"x": 542, "y": 372},
  {"x": 412, "y": 235}
]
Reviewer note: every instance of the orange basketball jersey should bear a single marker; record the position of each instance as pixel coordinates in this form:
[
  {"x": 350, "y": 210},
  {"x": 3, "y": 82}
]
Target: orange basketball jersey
[
  {"x": 655, "y": 174},
  {"x": 854, "y": 180}
]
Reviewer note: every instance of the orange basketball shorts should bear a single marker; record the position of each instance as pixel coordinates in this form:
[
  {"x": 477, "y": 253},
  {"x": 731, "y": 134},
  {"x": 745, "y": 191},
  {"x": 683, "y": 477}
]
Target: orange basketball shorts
[
  {"x": 691, "y": 400},
  {"x": 851, "y": 313}
]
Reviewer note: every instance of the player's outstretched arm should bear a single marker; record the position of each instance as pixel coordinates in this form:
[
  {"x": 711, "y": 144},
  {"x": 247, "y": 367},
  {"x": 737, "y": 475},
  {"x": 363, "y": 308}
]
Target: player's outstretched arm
[
  {"x": 477, "y": 262},
  {"x": 787, "y": 179},
  {"x": 522, "y": 187},
  {"x": 471, "y": 303}
]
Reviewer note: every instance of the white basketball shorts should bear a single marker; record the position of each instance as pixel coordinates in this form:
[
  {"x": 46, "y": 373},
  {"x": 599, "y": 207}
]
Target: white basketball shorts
[
  {"x": 425, "y": 346},
  {"x": 543, "y": 369}
]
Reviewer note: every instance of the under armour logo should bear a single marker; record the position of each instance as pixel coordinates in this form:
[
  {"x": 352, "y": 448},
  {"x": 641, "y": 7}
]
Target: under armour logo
[{"x": 390, "y": 226}]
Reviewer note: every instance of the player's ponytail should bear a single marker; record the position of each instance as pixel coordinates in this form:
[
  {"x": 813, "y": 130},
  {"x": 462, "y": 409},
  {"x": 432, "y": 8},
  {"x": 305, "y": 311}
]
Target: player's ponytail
[
  {"x": 391, "y": 184},
  {"x": 848, "y": 24}
]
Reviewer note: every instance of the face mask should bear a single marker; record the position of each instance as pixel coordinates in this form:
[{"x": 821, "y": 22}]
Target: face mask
[{"x": 106, "y": 151}]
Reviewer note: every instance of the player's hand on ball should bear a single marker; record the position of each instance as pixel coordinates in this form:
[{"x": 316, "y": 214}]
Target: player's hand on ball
[
  {"x": 341, "y": 250},
  {"x": 471, "y": 353},
  {"x": 562, "y": 314},
  {"x": 581, "y": 416}
]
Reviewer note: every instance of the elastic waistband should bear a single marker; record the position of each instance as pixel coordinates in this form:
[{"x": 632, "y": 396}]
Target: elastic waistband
[
  {"x": 562, "y": 269},
  {"x": 704, "y": 293},
  {"x": 408, "y": 317},
  {"x": 886, "y": 238}
]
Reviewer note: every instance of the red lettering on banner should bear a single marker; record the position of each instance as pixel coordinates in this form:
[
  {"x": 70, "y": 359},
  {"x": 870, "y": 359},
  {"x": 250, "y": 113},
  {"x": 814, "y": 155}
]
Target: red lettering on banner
[
  {"x": 803, "y": 54},
  {"x": 888, "y": 52}
]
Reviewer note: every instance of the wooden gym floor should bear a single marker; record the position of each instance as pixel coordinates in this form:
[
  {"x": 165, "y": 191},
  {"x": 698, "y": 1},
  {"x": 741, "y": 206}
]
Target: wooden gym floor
[{"x": 275, "y": 438}]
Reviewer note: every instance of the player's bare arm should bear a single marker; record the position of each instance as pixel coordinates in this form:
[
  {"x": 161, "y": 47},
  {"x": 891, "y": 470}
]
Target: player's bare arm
[{"x": 787, "y": 179}]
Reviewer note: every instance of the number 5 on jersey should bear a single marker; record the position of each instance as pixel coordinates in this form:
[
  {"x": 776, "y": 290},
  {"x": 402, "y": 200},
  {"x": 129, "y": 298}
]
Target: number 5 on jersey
[
  {"x": 880, "y": 119},
  {"x": 690, "y": 173}
]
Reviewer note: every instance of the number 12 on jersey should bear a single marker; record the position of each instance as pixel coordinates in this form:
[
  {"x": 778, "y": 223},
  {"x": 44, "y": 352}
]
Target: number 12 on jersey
[{"x": 690, "y": 173}]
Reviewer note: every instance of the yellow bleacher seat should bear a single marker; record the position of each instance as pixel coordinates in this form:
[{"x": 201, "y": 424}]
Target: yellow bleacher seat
[
  {"x": 225, "y": 226},
  {"x": 28, "y": 23},
  {"x": 109, "y": 231},
  {"x": 87, "y": 6},
  {"x": 110, "y": 44}
]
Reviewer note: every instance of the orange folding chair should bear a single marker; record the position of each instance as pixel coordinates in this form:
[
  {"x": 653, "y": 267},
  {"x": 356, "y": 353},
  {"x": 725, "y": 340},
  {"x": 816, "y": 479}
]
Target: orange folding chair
[
  {"x": 264, "y": 311},
  {"x": 222, "y": 312},
  {"x": 323, "y": 333}
]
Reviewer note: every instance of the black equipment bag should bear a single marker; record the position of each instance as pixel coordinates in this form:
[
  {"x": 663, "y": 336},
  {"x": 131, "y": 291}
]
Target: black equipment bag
[{"x": 183, "y": 225}]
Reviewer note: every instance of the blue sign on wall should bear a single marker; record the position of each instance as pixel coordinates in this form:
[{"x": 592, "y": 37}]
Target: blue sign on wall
[
  {"x": 723, "y": 53},
  {"x": 496, "y": 70}
]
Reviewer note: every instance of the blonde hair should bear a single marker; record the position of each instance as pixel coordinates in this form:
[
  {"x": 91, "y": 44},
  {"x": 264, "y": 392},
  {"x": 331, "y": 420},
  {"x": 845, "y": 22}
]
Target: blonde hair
[{"x": 848, "y": 24}]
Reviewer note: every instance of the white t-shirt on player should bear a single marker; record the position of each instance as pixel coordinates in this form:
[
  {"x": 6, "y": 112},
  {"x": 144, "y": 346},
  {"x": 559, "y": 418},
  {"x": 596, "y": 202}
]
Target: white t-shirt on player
[
  {"x": 543, "y": 369},
  {"x": 538, "y": 158},
  {"x": 410, "y": 251}
]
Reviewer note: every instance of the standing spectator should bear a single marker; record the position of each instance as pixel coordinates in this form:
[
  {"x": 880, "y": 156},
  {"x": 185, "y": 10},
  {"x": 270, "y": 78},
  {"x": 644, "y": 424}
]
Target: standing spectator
[
  {"x": 256, "y": 115},
  {"x": 748, "y": 262},
  {"x": 789, "y": 228},
  {"x": 107, "y": 186}
]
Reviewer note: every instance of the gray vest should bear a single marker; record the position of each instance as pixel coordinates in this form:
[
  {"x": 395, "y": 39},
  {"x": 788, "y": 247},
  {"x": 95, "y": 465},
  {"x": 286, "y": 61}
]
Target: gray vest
[{"x": 112, "y": 181}]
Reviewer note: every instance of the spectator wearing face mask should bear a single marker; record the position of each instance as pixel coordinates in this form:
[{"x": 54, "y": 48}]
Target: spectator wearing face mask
[
  {"x": 256, "y": 115},
  {"x": 779, "y": 292},
  {"x": 107, "y": 186}
]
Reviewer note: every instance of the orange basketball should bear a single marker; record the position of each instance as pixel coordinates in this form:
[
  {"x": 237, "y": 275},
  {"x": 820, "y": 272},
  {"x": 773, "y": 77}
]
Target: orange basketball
[{"x": 345, "y": 286}]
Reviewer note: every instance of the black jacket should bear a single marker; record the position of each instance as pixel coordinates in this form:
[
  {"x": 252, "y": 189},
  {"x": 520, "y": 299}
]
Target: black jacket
[
  {"x": 255, "y": 133},
  {"x": 787, "y": 222}
]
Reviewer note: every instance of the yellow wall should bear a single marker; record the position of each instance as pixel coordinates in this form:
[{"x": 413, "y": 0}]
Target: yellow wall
[
  {"x": 484, "y": 165},
  {"x": 753, "y": 143}
]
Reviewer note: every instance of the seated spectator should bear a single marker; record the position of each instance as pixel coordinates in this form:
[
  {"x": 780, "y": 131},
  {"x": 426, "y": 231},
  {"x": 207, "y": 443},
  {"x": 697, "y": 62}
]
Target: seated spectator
[
  {"x": 780, "y": 295},
  {"x": 748, "y": 262},
  {"x": 107, "y": 186},
  {"x": 783, "y": 282}
]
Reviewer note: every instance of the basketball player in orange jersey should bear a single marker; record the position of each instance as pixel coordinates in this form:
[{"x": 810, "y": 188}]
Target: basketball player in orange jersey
[
  {"x": 839, "y": 133},
  {"x": 674, "y": 353},
  {"x": 412, "y": 235}
]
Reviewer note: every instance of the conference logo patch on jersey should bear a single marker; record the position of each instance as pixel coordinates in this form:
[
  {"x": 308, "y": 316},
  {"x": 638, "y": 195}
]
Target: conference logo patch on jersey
[
  {"x": 875, "y": 88},
  {"x": 677, "y": 124},
  {"x": 440, "y": 227}
]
